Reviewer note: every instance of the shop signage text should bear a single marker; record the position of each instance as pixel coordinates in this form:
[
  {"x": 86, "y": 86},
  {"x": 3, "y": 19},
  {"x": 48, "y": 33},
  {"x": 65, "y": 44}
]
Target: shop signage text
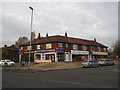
[
  {"x": 45, "y": 51},
  {"x": 79, "y": 52},
  {"x": 100, "y": 53}
]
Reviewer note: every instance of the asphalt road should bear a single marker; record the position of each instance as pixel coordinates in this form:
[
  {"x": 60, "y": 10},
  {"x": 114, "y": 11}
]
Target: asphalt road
[{"x": 100, "y": 77}]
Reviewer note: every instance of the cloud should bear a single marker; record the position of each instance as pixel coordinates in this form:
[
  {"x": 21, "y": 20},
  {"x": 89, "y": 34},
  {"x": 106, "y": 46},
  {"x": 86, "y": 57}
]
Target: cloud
[{"x": 82, "y": 20}]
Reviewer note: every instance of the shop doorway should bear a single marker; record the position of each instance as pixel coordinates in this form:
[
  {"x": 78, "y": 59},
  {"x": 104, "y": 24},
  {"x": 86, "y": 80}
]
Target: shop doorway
[
  {"x": 53, "y": 57},
  {"x": 61, "y": 57}
]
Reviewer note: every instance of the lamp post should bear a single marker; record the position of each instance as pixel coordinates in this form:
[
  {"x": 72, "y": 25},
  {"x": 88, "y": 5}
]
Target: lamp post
[{"x": 29, "y": 68}]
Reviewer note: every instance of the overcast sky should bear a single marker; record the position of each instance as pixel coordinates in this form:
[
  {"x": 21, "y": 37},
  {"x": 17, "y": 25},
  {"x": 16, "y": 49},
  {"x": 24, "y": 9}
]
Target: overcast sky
[{"x": 85, "y": 20}]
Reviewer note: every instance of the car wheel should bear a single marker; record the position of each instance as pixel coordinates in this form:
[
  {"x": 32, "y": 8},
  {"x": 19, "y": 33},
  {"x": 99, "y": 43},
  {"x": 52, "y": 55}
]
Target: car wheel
[
  {"x": 91, "y": 66},
  {"x": 83, "y": 66},
  {"x": 112, "y": 63}
]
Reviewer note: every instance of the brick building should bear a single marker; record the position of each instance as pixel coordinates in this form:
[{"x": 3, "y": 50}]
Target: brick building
[
  {"x": 10, "y": 52},
  {"x": 60, "y": 48}
]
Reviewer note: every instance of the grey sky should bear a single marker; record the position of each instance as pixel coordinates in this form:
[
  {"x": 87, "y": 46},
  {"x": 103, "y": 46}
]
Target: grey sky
[{"x": 84, "y": 20}]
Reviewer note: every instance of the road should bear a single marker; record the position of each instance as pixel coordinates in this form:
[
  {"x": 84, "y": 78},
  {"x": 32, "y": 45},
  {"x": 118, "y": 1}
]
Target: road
[{"x": 100, "y": 77}]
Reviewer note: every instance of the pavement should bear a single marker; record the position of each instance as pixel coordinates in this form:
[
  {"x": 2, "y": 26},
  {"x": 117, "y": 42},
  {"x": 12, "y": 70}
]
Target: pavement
[{"x": 42, "y": 67}]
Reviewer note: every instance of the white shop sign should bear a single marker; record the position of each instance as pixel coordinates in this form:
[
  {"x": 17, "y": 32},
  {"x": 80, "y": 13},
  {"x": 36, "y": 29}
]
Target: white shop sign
[
  {"x": 79, "y": 52},
  {"x": 100, "y": 53}
]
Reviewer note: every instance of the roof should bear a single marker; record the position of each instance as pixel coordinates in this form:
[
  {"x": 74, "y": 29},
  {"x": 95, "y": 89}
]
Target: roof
[{"x": 63, "y": 39}]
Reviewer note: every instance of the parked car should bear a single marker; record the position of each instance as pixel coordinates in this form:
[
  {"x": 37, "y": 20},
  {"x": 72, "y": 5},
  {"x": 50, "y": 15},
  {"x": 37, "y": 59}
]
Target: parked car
[
  {"x": 90, "y": 63},
  {"x": 105, "y": 62},
  {"x": 2, "y": 62},
  {"x": 7, "y": 63}
]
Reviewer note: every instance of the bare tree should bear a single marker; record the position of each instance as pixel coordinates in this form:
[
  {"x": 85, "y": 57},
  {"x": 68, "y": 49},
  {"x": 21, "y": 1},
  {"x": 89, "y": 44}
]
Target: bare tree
[
  {"x": 21, "y": 41},
  {"x": 116, "y": 48}
]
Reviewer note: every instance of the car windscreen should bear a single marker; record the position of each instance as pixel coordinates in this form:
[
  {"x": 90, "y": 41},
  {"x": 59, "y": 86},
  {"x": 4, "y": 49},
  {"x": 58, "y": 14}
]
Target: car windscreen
[
  {"x": 91, "y": 61},
  {"x": 85, "y": 61},
  {"x": 107, "y": 60},
  {"x": 8, "y": 61}
]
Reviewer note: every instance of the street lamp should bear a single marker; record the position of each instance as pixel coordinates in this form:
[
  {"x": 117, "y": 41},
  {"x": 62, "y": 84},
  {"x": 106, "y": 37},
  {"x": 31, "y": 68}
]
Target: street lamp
[{"x": 30, "y": 37}]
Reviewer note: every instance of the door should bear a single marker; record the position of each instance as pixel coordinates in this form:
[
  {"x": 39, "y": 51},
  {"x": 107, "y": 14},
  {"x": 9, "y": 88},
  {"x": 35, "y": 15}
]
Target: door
[{"x": 53, "y": 57}]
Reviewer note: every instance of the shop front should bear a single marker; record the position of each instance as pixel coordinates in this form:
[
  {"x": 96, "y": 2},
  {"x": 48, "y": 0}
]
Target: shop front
[
  {"x": 47, "y": 55},
  {"x": 78, "y": 55},
  {"x": 60, "y": 54},
  {"x": 99, "y": 55},
  {"x": 25, "y": 56}
]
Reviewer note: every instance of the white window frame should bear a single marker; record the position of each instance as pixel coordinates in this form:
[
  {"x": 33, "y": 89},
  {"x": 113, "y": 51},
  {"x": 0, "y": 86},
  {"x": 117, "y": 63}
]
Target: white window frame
[
  {"x": 66, "y": 44},
  {"x": 75, "y": 46},
  {"x": 84, "y": 47},
  {"x": 29, "y": 47},
  {"x": 99, "y": 49},
  {"x": 104, "y": 49},
  {"x": 38, "y": 47},
  {"x": 48, "y": 46},
  {"x": 21, "y": 48},
  {"x": 60, "y": 45}
]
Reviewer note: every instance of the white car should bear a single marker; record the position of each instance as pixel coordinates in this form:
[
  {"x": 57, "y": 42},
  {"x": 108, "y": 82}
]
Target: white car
[
  {"x": 7, "y": 63},
  {"x": 2, "y": 62},
  {"x": 105, "y": 62}
]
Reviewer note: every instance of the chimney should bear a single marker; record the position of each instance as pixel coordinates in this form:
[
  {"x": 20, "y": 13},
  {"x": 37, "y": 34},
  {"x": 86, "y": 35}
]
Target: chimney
[
  {"x": 65, "y": 34},
  {"x": 39, "y": 36},
  {"x": 94, "y": 39},
  {"x": 46, "y": 34}
]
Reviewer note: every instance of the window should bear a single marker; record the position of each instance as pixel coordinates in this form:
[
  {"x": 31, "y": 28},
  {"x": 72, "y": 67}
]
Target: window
[
  {"x": 29, "y": 47},
  {"x": 21, "y": 48},
  {"x": 105, "y": 49},
  {"x": 48, "y": 57},
  {"x": 66, "y": 45},
  {"x": 38, "y": 57},
  {"x": 99, "y": 49},
  {"x": 84, "y": 47},
  {"x": 48, "y": 46},
  {"x": 60, "y": 45},
  {"x": 92, "y": 48},
  {"x": 33, "y": 47},
  {"x": 38, "y": 46},
  {"x": 75, "y": 46}
]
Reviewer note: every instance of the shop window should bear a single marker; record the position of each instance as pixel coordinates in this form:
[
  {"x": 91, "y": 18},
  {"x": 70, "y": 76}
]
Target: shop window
[
  {"x": 99, "y": 49},
  {"x": 66, "y": 45},
  {"x": 38, "y": 46},
  {"x": 47, "y": 57},
  {"x": 75, "y": 46},
  {"x": 38, "y": 57},
  {"x": 60, "y": 45},
  {"x": 84, "y": 47},
  {"x": 48, "y": 46},
  {"x": 29, "y": 47}
]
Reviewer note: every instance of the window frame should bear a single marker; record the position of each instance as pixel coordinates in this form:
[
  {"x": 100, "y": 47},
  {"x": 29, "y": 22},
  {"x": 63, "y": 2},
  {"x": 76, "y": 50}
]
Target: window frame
[
  {"x": 66, "y": 45},
  {"x": 84, "y": 47},
  {"x": 60, "y": 44},
  {"x": 48, "y": 44},
  {"x": 39, "y": 47},
  {"x": 74, "y": 47},
  {"x": 29, "y": 47}
]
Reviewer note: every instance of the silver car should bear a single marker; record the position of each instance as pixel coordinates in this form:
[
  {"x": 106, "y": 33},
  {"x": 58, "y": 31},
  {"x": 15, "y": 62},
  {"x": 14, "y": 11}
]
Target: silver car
[
  {"x": 105, "y": 62},
  {"x": 90, "y": 63}
]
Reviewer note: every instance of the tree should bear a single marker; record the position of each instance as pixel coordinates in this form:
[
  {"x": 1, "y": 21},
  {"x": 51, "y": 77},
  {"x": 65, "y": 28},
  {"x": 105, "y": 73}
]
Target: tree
[
  {"x": 116, "y": 48},
  {"x": 21, "y": 41}
]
